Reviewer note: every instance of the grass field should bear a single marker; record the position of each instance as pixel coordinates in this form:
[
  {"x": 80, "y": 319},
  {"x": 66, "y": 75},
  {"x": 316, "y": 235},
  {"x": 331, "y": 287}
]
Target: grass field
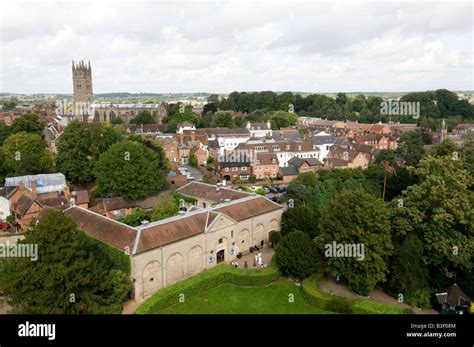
[{"x": 232, "y": 299}]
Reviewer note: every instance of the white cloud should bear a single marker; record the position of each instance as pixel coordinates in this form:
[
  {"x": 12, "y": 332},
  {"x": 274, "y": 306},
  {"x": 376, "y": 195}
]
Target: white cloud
[{"x": 221, "y": 47}]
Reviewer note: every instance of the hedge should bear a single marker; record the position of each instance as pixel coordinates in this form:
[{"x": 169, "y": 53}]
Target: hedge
[
  {"x": 206, "y": 280},
  {"x": 328, "y": 302}
]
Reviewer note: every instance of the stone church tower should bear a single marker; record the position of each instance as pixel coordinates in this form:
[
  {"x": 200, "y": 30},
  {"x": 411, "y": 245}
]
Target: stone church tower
[{"x": 82, "y": 83}]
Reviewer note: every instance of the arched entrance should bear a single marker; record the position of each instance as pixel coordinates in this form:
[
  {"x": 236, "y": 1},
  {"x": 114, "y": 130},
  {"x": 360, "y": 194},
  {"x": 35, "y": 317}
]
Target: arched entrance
[
  {"x": 220, "y": 256},
  {"x": 151, "y": 278}
]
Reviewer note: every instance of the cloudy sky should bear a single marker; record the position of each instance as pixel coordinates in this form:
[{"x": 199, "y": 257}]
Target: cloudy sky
[{"x": 178, "y": 46}]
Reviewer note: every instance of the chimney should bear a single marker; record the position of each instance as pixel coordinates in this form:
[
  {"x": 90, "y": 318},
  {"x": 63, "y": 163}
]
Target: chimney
[
  {"x": 33, "y": 188},
  {"x": 193, "y": 135},
  {"x": 181, "y": 138}
]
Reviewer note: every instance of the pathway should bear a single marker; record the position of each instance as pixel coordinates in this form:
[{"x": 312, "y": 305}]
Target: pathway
[{"x": 329, "y": 284}]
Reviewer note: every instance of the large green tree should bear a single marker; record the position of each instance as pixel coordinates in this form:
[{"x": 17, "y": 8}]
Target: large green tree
[
  {"x": 357, "y": 218},
  {"x": 297, "y": 255},
  {"x": 26, "y": 154},
  {"x": 80, "y": 146},
  {"x": 74, "y": 156},
  {"x": 301, "y": 217},
  {"x": 410, "y": 147},
  {"x": 130, "y": 170},
  {"x": 72, "y": 274},
  {"x": 4, "y": 132},
  {"x": 439, "y": 210},
  {"x": 165, "y": 207},
  {"x": 143, "y": 117},
  {"x": 29, "y": 122}
]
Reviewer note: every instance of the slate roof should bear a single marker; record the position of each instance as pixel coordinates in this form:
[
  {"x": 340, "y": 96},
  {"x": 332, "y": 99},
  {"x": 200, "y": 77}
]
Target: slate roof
[
  {"x": 199, "y": 190},
  {"x": 289, "y": 171}
]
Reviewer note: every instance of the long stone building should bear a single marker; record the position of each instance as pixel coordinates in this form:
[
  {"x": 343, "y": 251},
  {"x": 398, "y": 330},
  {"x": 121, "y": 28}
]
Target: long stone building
[{"x": 167, "y": 251}]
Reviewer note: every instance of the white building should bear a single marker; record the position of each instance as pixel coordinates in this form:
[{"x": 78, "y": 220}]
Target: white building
[
  {"x": 323, "y": 141},
  {"x": 260, "y": 129}
]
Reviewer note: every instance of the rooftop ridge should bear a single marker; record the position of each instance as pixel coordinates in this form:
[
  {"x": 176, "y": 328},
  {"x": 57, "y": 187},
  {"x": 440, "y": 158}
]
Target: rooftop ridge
[{"x": 105, "y": 217}]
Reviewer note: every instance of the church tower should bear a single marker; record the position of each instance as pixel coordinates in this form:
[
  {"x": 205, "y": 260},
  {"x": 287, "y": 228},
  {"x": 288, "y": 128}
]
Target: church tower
[{"x": 82, "y": 82}]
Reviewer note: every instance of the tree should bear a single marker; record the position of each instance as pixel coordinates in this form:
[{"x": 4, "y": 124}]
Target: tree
[
  {"x": 26, "y": 154},
  {"x": 439, "y": 210},
  {"x": 136, "y": 218},
  {"x": 143, "y": 117},
  {"x": 301, "y": 218},
  {"x": 29, "y": 122},
  {"x": 116, "y": 120},
  {"x": 408, "y": 273},
  {"x": 165, "y": 207},
  {"x": 74, "y": 157},
  {"x": 4, "y": 132},
  {"x": 80, "y": 146},
  {"x": 297, "y": 255},
  {"x": 130, "y": 170},
  {"x": 222, "y": 119},
  {"x": 357, "y": 218},
  {"x": 193, "y": 160},
  {"x": 410, "y": 147},
  {"x": 102, "y": 137},
  {"x": 68, "y": 263},
  {"x": 209, "y": 178}
]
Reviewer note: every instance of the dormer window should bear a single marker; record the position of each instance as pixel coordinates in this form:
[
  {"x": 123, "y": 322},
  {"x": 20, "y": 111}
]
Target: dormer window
[{"x": 257, "y": 162}]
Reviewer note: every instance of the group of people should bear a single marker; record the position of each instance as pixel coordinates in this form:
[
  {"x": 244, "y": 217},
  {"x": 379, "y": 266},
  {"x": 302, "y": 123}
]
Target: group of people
[
  {"x": 234, "y": 263},
  {"x": 258, "y": 260}
]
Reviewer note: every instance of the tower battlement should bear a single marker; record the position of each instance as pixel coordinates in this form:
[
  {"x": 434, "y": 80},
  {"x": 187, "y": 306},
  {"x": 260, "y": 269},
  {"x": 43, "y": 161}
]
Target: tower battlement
[{"x": 82, "y": 83}]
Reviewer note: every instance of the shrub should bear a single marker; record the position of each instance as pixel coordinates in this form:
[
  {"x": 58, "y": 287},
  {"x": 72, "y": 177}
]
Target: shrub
[{"x": 252, "y": 179}]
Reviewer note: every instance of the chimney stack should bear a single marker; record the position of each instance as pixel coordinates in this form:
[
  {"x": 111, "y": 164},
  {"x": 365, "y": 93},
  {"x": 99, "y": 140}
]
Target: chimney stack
[
  {"x": 33, "y": 188},
  {"x": 193, "y": 135}
]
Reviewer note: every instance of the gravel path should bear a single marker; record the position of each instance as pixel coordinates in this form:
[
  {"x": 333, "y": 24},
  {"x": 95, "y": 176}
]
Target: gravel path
[{"x": 376, "y": 295}]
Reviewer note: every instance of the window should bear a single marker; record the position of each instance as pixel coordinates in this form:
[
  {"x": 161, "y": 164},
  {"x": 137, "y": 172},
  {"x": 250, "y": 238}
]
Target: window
[
  {"x": 235, "y": 168},
  {"x": 232, "y": 234},
  {"x": 220, "y": 241},
  {"x": 257, "y": 162},
  {"x": 226, "y": 169},
  {"x": 244, "y": 168},
  {"x": 287, "y": 147},
  {"x": 273, "y": 161}
]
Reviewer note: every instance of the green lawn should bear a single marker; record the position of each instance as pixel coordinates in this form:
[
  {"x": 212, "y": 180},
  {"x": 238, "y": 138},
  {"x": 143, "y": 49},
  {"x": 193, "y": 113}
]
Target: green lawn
[{"x": 233, "y": 299}]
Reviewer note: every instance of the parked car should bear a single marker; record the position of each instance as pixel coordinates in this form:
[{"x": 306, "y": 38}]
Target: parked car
[
  {"x": 4, "y": 225},
  {"x": 273, "y": 190},
  {"x": 254, "y": 188}
]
